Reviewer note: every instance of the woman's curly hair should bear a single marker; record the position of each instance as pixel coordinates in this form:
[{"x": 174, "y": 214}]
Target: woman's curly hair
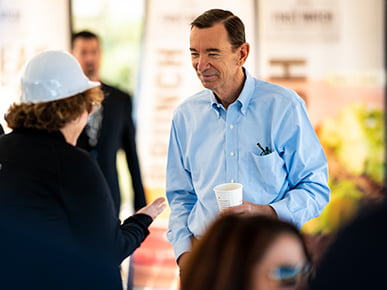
[{"x": 52, "y": 116}]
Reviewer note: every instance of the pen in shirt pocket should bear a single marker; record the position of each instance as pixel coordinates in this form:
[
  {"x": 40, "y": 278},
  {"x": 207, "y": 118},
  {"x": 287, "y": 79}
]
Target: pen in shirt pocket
[{"x": 265, "y": 151}]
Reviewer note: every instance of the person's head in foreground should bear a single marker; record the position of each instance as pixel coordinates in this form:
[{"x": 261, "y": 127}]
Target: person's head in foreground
[
  {"x": 247, "y": 253},
  {"x": 56, "y": 96}
]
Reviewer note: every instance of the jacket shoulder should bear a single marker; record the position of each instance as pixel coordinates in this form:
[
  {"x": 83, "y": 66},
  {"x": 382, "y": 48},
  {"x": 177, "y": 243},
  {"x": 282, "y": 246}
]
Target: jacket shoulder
[{"x": 111, "y": 90}]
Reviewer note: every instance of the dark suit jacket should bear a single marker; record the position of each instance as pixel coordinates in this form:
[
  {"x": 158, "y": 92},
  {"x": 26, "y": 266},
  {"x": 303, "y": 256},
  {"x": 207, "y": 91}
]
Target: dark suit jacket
[
  {"x": 1, "y": 130},
  {"x": 116, "y": 132},
  {"x": 57, "y": 220}
]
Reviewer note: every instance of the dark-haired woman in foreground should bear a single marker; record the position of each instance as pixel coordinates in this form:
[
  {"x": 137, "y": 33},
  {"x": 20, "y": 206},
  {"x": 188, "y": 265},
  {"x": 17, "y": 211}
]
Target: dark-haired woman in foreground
[{"x": 247, "y": 253}]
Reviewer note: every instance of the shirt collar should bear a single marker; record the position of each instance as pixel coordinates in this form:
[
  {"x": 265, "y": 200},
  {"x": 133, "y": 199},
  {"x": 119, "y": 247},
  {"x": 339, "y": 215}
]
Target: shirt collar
[
  {"x": 243, "y": 99},
  {"x": 247, "y": 92},
  {"x": 215, "y": 104}
]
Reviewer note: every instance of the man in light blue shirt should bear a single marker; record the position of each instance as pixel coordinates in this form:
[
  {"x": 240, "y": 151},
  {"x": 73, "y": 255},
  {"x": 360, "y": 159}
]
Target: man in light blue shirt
[{"x": 214, "y": 138}]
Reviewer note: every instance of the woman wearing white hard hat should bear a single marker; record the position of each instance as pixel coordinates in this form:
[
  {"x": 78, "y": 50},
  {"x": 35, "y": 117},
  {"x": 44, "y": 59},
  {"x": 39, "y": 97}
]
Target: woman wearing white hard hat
[{"x": 56, "y": 214}]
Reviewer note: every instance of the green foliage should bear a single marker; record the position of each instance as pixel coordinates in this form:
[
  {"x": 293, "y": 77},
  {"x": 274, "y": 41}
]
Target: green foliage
[
  {"x": 354, "y": 142},
  {"x": 356, "y": 137}
]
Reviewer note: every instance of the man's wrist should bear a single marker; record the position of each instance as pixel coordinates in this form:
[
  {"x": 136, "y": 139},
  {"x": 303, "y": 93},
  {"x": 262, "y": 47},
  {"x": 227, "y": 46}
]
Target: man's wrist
[
  {"x": 182, "y": 260},
  {"x": 272, "y": 213}
]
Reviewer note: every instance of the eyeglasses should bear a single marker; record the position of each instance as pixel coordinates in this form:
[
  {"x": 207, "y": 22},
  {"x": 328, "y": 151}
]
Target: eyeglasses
[
  {"x": 92, "y": 107},
  {"x": 288, "y": 275}
]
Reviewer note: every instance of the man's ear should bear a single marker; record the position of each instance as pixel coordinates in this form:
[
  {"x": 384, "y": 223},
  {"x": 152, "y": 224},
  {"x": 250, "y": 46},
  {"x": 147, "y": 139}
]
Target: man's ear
[{"x": 244, "y": 50}]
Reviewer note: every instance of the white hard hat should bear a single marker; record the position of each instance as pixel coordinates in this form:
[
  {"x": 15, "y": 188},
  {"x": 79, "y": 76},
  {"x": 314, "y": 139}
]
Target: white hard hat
[{"x": 53, "y": 75}]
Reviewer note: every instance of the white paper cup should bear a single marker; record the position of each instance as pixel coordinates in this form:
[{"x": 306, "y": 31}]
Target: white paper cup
[{"x": 228, "y": 195}]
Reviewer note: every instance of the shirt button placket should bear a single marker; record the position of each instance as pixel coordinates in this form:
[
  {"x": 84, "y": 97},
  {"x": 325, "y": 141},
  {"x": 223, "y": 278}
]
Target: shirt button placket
[{"x": 233, "y": 160}]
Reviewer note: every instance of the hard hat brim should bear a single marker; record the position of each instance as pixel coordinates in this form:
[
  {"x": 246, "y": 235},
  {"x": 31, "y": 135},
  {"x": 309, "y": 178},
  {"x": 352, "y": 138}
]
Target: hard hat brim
[{"x": 44, "y": 94}]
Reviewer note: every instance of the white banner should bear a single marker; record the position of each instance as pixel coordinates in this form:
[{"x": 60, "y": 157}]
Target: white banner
[
  {"x": 26, "y": 28},
  {"x": 331, "y": 52},
  {"x": 330, "y": 36},
  {"x": 301, "y": 20}
]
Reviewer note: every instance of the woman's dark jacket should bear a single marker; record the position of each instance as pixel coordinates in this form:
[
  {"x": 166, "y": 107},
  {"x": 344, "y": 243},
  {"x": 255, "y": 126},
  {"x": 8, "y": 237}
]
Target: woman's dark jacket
[{"x": 54, "y": 199}]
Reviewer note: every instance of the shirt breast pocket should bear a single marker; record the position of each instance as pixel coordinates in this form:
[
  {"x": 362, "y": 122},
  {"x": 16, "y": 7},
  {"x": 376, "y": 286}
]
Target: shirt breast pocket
[{"x": 268, "y": 172}]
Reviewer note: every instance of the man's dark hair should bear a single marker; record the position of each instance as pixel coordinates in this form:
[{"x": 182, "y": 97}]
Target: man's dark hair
[
  {"x": 83, "y": 34},
  {"x": 232, "y": 23}
]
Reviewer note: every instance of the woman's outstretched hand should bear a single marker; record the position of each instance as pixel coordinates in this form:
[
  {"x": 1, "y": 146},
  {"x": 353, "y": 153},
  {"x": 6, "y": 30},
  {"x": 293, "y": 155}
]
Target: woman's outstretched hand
[{"x": 154, "y": 208}]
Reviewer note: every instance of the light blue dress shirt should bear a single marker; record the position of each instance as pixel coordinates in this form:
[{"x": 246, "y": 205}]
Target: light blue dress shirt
[{"x": 210, "y": 145}]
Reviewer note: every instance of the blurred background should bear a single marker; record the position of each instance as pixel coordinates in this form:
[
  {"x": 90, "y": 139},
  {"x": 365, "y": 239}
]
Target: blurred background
[{"x": 332, "y": 52}]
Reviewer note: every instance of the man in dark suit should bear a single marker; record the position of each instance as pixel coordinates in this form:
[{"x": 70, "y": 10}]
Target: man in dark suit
[{"x": 111, "y": 127}]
